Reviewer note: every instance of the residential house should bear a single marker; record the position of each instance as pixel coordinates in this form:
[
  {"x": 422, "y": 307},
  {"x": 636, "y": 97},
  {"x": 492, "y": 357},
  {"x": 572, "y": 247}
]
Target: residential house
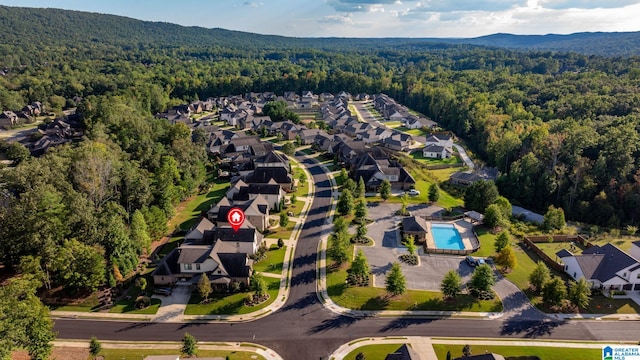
[
  {"x": 603, "y": 267},
  {"x": 445, "y": 140},
  {"x": 404, "y": 352},
  {"x": 271, "y": 159},
  {"x": 245, "y": 240},
  {"x": 197, "y": 232},
  {"x": 466, "y": 178},
  {"x": 375, "y": 166},
  {"x": 325, "y": 97},
  {"x": 398, "y": 142},
  {"x": 374, "y": 135},
  {"x": 240, "y": 191},
  {"x": 8, "y": 118},
  {"x": 271, "y": 175},
  {"x": 256, "y": 211},
  {"x": 415, "y": 122},
  {"x": 635, "y": 249},
  {"x": 244, "y": 143},
  {"x": 436, "y": 152},
  {"x": 218, "y": 139},
  {"x": 415, "y": 226}
]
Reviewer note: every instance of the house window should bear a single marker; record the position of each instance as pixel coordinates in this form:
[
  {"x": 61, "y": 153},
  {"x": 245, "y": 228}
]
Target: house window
[
  {"x": 574, "y": 275},
  {"x": 197, "y": 266},
  {"x": 638, "y": 276},
  {"x": 219, "y": 271},
  {"x": 187, "y": 266},
  {"x": 624, "y": 275}
]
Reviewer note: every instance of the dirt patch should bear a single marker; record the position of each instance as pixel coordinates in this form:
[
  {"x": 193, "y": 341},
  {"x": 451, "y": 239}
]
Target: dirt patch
[{"x": 59, "y": 353}]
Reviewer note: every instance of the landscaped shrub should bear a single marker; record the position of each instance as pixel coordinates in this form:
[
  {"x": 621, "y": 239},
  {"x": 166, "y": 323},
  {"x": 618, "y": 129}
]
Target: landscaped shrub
[
  {"x": 142, "y": 302},
  {"x": 280, "y": 243},
  {"x": 409, "y": 259}
]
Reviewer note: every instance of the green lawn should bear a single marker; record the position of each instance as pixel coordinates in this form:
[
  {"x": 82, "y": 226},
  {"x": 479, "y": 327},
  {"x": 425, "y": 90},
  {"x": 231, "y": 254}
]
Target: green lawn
[
  {"x": 544, "y": 353},
  {"x": 443, "y": 174},
  {"x": 393, "y": 124},
  {"x": 281, "y": 233},
  {"x": 487, "y": 241},
  {"x": 89, "y": 304},
  {"x": 231, "y": 304},
  {"x": 137, "y": 354},
  {"x": 623, "y": 242},
  {"x": 128, "y": 306},
  {"x": 296, "y": 208},
  {"x": 189, "y": 211},
  {"x": 170, "y": 245},
  {"x": 371, "y": 298},
  {"x": 373, "y": 352},
  {"x": 552, "y": 248},
  {"x": 272, "y": 263},
  {"x": 419, "y": 156},
  {"x": 414, "y": 132}
]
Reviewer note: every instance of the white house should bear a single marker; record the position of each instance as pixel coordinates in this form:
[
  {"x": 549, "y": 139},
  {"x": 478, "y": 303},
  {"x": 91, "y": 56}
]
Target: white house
[
  {"x": 604, "y": 267},
  {"x": 436, "y": 152}
]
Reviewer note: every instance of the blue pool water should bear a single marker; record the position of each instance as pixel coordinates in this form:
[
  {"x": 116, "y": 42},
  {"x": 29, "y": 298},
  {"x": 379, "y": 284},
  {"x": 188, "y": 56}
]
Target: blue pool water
[{"x": 446, "y": 236}]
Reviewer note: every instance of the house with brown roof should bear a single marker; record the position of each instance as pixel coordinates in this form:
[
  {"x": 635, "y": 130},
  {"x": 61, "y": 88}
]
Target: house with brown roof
[{"x": 415, "y": 226}]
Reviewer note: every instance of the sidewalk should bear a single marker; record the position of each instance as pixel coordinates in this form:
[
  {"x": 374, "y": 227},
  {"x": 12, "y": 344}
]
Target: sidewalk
[{"x": 265, "y": 352}]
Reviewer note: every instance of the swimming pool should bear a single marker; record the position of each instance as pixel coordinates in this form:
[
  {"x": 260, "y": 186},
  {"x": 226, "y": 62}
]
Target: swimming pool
[{"x": 446, "y": 236}]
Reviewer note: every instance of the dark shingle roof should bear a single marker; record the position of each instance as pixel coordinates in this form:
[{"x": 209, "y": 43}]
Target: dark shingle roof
[
  {"x": 404, "y": 352},
  {"x": 414, "y": 224},
  {"x": 169, "y": 264},
  {"x": 235, "y": 264},
  {"x": 603, "y": 262},
  {"x": 563, "y": 253},
  {"x": 193, "y": 255}
]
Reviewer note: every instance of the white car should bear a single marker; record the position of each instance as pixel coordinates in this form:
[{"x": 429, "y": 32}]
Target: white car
[{"x": 413, "y": 192}]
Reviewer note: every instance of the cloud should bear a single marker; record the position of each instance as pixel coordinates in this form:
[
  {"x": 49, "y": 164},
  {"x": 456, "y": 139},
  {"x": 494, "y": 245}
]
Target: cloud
[
  {"x": 336, "y": 19},
  {"x": 252, "y": 4},
  {"x": 360, "y": 5},
  {"x": 585, "y": 4},
  {"x": 466, "y": 5}
]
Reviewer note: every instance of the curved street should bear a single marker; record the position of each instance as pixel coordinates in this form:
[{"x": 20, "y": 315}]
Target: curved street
[{"x": 304, "y": 329}]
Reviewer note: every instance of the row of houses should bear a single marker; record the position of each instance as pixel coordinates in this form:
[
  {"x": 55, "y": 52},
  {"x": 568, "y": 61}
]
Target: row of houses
[
  {"x": 9, "y": 118},
  {"x": 393, "y": 111}
]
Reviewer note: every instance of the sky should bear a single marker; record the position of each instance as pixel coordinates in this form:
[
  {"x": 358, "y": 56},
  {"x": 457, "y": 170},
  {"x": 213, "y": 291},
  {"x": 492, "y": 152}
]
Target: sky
[{"x": 373, "y": 18}]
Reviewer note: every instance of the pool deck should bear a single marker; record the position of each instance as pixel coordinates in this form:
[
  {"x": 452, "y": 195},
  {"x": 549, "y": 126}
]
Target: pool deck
[{"x": 464, "y": 227}]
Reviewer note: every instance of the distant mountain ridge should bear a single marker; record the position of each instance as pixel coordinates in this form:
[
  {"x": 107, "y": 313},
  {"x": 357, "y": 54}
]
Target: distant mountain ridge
[{"x": 35, "y": 26}]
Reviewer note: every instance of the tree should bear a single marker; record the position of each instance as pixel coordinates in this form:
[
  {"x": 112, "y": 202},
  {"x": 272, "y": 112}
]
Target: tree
[
  {"x": 493, "y": 216},
  {"x": 505, "y": 206},
  {"x": 94, "y": 346},
  {"x": 17, "y": 153},
  {"x": 204, "y": 287},
  {"x": 539, "y": 276},
  {"x": 480, "y": 194},
  {"x": 554, "y": 291},
  {"x": 451, "y": 284},
  {"x": 483, "y": 278},
  {"x": 579, "y": 293},
  {"x": 338, "y": 247},
  {"x": 434, "y": 193},
  {"x": 350, "y": 185},
  {"x": 361, "y": 210},
  {"x": 554, "y": 218},
  {"x": 284, "y": 219},
  {"x": 360, "y": 189},
  {"x": 79, "y": 266},
  {"x": 289, "y": 148},
  {"x": 345, "y": 203},
  {"x": 258, "y": 285},
  {"x": 24, "y": 320},
  {"x": 506, "y": 258},
  {"x": 344, "y": 175},
  {"x": 361, "y": 356},
  {"x": 139, "y": 232},
  {"x": 189, "y": 345},
  {"x": 502, "y": 240},
  {"x": 410, "y": 244},
  {"x": 466, "y": 350},
  {"x": 294, "y": 199},
  {"x": 385, "y": 189},
  {"x": 141, "y": 282},
  {"x": 361, "y": 231},
  {"x": 404, "y": 204},
  {"x": 359, "y": 269},
  {"x": 396, "y": 284}
]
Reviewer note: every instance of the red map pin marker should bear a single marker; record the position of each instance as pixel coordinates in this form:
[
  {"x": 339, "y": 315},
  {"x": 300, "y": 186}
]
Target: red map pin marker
[{"x": 235, "y": 217}]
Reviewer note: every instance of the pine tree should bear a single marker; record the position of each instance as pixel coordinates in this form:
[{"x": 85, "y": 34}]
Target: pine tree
[
  {"x": 94, "y": 346},
  {"x": 361, "y": 210},
  {"x": 580, "y": 293},
  {"x": 345, "y": 203},
  {"x": 434, "y": 193},
  {"x": 539, "y": 276},
  {"x": 451, "y": 284},
  {"x": 482, "y": 278},
  {"x": 396, "y": 284},
  {"x": 360, "y": 188},
  {"x": 502, "y": 241},
  {"x": 359, "y": 268},
  {"x": 189, "y": 345},
  {"x": 554, "y": 291},
  {"x": 385, "y": 189},
  {"x": 139, "y": 232},
  {"x": 204, "y": 287}
]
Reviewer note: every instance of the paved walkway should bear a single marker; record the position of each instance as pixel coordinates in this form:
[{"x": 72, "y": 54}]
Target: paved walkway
[
  {"x": 267, "y": 353},
  {"x": 422, "y": 345},
  {"x": 464, "y": 156}
]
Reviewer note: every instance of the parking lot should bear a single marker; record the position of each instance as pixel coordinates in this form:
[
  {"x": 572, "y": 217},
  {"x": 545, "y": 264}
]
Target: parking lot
[{"x": 387, "y": 250}]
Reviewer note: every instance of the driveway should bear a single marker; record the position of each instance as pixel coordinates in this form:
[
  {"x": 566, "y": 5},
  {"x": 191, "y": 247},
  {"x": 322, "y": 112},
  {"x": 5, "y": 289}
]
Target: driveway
[
  {"x": 173, "y": 306},
  {"x": 387, "y": 248}
]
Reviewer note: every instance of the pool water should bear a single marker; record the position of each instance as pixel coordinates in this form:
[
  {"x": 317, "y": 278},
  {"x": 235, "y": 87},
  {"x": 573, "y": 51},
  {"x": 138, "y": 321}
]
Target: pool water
[{"x": 446, "y": 236}]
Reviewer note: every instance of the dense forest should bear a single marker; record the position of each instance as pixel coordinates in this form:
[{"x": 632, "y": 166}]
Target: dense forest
[{"x": 561, "y": 127}]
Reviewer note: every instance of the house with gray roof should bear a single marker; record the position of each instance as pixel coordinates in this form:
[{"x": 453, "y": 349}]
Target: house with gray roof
[
  {"x": 415, "y": 226},
  {"x": 466, "y": 178},
  {"x": 404, "y": 352},
  {"x": 433, "y": 151},
  {"x": 603, "y": 267}
]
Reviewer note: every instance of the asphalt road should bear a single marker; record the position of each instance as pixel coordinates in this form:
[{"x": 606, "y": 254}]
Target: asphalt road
[{"x": 304, "y": 329}]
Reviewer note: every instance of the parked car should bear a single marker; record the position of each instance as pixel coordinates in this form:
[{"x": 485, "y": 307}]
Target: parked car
[
  {"x": 470, "y": 261},
  {"x": 162, "y": 291},
  {"x": 413, "y": 192},
  {"x": 480, "y": 261}
]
